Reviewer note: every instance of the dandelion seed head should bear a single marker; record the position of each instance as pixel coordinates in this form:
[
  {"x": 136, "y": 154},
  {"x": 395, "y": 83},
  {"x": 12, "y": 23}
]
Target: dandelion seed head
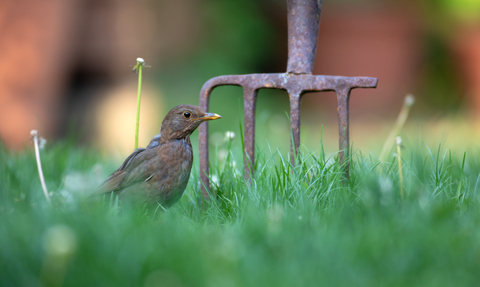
[
  {"x": 398, "y": 140},
  {"x": 229, "y": 135},
  {"x": 215, "y": 179},
  {"x": 409, "y": 100}
]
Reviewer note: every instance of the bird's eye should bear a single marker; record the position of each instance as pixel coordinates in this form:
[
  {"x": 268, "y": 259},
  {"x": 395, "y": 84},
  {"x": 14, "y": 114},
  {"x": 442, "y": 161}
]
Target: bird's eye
[{"x": 186, "y": 115}]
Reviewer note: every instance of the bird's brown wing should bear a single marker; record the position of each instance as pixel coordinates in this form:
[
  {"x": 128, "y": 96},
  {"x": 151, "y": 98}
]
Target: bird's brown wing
[
  {"x": 154, "y": 142},
  {"x": 130, "y": 172}
]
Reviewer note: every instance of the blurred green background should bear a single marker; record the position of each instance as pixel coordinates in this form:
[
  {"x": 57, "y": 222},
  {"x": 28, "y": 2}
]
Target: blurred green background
[{"x": 73, "y": 74}]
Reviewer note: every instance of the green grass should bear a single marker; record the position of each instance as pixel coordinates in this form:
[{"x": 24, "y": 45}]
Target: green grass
[{"x": 302, "y": 226}]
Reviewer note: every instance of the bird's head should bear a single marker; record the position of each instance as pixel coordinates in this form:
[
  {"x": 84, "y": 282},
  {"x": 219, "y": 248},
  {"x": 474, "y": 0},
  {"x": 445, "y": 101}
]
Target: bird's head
[{"x": 181, "y": 121}]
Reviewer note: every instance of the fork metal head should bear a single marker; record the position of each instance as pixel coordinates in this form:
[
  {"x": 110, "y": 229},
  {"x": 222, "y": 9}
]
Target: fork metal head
[{"x": 303, "y": 27}]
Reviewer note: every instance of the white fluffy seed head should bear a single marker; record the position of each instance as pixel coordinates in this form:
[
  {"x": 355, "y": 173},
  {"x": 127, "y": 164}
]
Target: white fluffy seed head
[
  {"x": 34, "y": 133},
  {"x": 215, "y": 179},
  {"x": 229, "y": 135},
  {"x": 398, "y": 140},
  {"x": 409, "y": 100},
  {"x": 140, "y": 60}
]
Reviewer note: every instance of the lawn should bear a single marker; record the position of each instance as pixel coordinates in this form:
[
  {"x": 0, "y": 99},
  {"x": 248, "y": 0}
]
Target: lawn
[{"x": 292, "y": 226}]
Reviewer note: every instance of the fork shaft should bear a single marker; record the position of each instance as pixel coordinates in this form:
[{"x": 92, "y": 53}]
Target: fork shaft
[{"x": 303, "y": 27}]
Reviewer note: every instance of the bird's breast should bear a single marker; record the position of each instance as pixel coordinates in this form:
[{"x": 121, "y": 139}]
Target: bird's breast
[
  {"x": 184, "y": 160},
  {"x": 173, "y": 169}
]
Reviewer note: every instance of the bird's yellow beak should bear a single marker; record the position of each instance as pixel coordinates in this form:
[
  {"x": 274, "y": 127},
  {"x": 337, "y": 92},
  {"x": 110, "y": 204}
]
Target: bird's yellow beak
[{"x": 210, "y": 116}]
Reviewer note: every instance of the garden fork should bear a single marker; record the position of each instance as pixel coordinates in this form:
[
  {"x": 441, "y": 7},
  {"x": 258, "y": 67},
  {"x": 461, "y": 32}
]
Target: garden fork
[{"x": 303, "y": 27}]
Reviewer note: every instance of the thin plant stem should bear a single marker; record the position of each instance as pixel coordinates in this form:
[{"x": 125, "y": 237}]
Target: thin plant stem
[
  {"x": 34, "y": 135},
  {"x": 138, "y": 68},
  {"x": 399, "y": 157},
  {"x": 402, "y": 117}
]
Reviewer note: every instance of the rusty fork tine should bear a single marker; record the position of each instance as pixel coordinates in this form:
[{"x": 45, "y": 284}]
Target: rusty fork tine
[
  {"x": 295, "y": 98},
  {"x": 203, "y": 142},
  {"x": 203, "y": 128},
  {"x": 343, "y": 98},
  {"x": 250, "y": 106}
]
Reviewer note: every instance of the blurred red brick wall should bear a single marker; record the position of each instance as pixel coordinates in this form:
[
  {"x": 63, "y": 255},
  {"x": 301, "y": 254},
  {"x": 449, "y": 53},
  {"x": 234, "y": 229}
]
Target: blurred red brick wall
[
  {"x": 34, "y": 53},
  {"x": 379, "y": 41}
]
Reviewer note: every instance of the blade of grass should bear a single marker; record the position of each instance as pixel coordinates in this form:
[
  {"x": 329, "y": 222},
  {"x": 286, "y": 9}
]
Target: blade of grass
[
  {"x": 138, "y": 68},
  {"x": 402, "y": 117},
  {"x": 34, "y": 135}
]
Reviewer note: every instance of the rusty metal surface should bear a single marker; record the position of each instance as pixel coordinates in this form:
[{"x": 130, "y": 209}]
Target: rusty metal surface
[{"x": 303, "y": 27}]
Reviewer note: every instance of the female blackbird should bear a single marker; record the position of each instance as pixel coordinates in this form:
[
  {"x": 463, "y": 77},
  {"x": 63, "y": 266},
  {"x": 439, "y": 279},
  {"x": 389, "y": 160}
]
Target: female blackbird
[{"x": 159, "y": 173}]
